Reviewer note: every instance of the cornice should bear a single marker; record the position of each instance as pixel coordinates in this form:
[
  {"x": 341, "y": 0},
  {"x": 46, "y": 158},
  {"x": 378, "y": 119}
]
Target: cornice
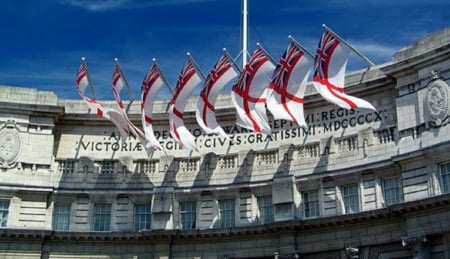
[{"x": 394, "y": 213}]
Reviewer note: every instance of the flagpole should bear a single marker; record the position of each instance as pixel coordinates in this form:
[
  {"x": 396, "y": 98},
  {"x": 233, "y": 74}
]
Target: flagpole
[
  {"x": 91, "y": 86},
  {"x": 196, "y": 66},
  {"x": 266, "y": 53},
  {"x": 268, "y": 56},
  {"x": 163, "y": 78},
  {"x": 231, "y": 59},
  {"x": 130, "y": 92},
  {"x": 244, "y": 34},
  {"x": 301, "y": 46},
  {"x": 350, "y": 46}
]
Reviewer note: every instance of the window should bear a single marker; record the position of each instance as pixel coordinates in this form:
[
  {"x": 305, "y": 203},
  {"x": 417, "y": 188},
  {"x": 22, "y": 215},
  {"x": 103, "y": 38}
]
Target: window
[
  {"x": 188, "y": 212},
  {"x": 4, "y": 211},
  {"x": 311, "y": 204},
  {"x": 102, "y": 217},
  {"x": 66, "y": 166},
  {"x": 61, "y": 217},
  {"x": 226, "y": 213},
  {"x": 142, "y": 217},
  {"x": 107, "y": 167},
  {"x": 351, "y": 198},
  {"x": 391, "y": 191},
  {"x": 445, "y": 178},
  {"x": 265, "y": 209}
]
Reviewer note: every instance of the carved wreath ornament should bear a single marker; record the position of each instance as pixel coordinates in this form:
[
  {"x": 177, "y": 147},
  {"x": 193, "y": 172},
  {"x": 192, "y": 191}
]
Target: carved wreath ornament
[
  {"x": 9, "y": 147},
  {"x": 437, "y": 101}
]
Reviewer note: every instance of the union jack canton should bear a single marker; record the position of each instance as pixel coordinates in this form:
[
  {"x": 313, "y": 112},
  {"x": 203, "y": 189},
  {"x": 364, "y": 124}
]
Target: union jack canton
[
  {"x": 325, "y": 50},
  {"x": 283, "y": 72}
]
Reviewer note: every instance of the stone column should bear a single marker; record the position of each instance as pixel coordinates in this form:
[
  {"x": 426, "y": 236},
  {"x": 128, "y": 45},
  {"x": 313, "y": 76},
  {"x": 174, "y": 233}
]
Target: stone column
[{"x": 420, "y": 246}]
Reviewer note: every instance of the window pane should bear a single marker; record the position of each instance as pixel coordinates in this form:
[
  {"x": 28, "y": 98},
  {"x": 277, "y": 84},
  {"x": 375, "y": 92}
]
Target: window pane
[
  {"x": 188, "y": 212},
  {"x": 61, "y": 217},
  {"x": 4, "y": 211},
  {"x": 226, "y": 213},
  {"x": 351, "y": 198},
  {"x": 311, "y": 203},
  {"x": 102, "y": 217},
  {"x": 142, "y": 217},
  {"x": 265, "y": 209},
  {"x": 445, "y": 178},
  {"x": 392, "y": 191}
]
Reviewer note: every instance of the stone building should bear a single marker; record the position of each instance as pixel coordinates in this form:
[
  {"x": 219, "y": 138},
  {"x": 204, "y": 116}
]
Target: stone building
[{"x": 355, "y": 184}]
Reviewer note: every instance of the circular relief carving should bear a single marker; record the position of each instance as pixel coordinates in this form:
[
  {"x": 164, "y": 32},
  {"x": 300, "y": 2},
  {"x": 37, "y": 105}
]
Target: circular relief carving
[
  {"x": 437, "y": 101},
  {"x": 9, "y": 147}
]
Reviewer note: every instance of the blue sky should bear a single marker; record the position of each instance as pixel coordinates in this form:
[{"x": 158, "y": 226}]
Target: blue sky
[{"x": 42, "y": 42}]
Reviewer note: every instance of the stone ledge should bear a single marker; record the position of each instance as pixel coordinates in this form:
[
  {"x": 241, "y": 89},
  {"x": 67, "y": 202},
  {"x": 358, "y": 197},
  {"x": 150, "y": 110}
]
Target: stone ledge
[
  {"x": 430, "y": 42},
  {"x": 24, "y": 95},
  {"x": 394, "y": 212}
]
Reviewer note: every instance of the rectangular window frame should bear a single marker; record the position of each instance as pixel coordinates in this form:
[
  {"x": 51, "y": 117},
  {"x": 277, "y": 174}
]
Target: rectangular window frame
[
  {"x": 142, "y": 217},
  {"x": 265, "y": 209},
  {"x": 311, "y": 203},
  {"x": 444, "y": 177},
  {"x": 61, "y": 217},
  {"x": 188, "y": 215},
  {"x": 4, "y": 213},
  {"x": 392, "y": 191},
  {"x": 102, "y": 217},
  {"x": 350, "y": 197},
  {"x": 227, "y": 213}
]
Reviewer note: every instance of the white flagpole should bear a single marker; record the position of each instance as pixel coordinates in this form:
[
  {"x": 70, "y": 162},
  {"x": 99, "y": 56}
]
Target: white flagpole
[
  {"x": 163, "y": 78},
  {"x": 269, "y": 57},
  {"x": 231, "y": 60},
  {"x": 266, "y": 53},
  {"x": 244, "y": 34},
  {"x": 348, "y": 45},
  {"x": 301, "y": 46},
  {"x": 196, "y": 66}
]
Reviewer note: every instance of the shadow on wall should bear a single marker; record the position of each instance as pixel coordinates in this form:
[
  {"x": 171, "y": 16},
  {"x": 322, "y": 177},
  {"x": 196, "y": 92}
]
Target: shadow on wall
[
  {"x": 322, "y": 163},
  {"x": 208, "y": 165},
  {"x": 245, "y": 166},
  {"x": 105, "y": 174},
  {"x": 286, "y": 153}
]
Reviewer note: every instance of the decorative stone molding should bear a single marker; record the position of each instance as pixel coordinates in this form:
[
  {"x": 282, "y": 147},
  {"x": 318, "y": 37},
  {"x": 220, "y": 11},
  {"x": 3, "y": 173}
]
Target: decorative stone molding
[
  {"x": 437, "y": 100},
  {"x": 9, "y": 145}
]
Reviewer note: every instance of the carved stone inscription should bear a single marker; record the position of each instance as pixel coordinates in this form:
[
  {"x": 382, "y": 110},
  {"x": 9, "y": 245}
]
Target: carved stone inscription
[{"x": 321, "y": 123}]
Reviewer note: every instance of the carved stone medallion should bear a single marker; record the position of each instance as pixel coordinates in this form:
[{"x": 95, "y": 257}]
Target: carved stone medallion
[
  {"x": 437, "y": 102},
  {"x": 9, "y": 147}
]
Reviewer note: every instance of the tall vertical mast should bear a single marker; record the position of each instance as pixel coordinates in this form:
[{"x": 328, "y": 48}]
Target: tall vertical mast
[{"x": 244, "y": 34}]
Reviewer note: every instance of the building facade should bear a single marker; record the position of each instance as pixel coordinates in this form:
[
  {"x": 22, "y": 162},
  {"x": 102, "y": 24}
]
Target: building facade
[{"x": 355, "y": 184}]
